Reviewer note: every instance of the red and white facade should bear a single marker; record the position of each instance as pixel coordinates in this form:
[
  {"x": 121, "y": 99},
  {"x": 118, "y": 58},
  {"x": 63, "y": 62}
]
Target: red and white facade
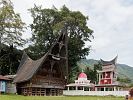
[
  {"x": 107, "y": 77},
  {"x": 81, "y": 84}
]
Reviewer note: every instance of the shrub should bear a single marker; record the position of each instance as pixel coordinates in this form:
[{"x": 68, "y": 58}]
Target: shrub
[{"x": 131, "y": 92}]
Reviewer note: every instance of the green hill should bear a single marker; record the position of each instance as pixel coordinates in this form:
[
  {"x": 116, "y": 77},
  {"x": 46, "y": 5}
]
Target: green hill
[{"x": 123, "y": 70}]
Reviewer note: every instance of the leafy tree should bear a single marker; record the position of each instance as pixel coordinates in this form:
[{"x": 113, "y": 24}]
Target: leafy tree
[
  {"x": 131, "y": 92},
  {"x": 124, "y": 80},
  {"x": 92, "y": 73},
  {"x": 11, "y": 29},
  {"x": 98, "y": 66},
  {"x": 9, "y": 59},
  {"x": 11, "y": 25},
  {"x": 47, "y": 24}
]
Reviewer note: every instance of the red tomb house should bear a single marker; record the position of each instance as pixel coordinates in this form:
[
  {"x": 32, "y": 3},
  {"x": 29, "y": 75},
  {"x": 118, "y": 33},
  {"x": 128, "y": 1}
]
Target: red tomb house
[{"x": 107, "y": 77}]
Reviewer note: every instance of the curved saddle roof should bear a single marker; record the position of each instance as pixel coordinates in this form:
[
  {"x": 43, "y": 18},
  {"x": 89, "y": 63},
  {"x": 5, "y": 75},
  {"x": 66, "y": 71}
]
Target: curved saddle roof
[
  {"x": 109, "y": 62},
  {"x": 27, "y": 68}
]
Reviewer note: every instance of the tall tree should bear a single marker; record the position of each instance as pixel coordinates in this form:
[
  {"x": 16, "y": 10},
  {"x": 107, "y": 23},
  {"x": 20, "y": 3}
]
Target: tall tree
[
  {"x": 47, "y": 23},
  {"x": 98, "y": 66},
  {"x": 11, "y": 29},
  {"x": 9, "y": 59},
  {"x": 11, "y": 25},
  {"x": 92, "y": 73}
]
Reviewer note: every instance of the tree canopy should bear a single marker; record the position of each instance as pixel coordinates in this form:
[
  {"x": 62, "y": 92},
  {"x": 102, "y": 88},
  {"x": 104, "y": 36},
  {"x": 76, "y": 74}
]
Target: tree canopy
[
  {"x": 11, "y": 29},
  {"x": 9, "y": 59},
  {"x": 92, "y": 73},
  {"x": 47, "y": 23},
  {"x": 11, "y": 25}
]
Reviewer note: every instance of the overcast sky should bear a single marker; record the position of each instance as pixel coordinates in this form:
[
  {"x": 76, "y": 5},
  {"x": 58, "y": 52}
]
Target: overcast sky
[{"x": 111, "y": 21}]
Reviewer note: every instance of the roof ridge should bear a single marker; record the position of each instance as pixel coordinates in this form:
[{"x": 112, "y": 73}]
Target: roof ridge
[{"x": 113, "y": 61}]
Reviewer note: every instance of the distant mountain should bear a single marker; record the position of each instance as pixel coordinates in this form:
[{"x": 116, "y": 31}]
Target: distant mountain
[{"x": 123, "y": 70}]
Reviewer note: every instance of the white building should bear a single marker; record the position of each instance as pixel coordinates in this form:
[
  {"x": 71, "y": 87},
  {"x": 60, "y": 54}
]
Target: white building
[{"x": 81, "y": 84}]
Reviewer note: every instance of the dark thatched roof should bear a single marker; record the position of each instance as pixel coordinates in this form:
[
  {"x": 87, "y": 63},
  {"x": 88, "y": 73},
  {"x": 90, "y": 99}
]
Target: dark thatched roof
[{"x": 27, "y": 68}]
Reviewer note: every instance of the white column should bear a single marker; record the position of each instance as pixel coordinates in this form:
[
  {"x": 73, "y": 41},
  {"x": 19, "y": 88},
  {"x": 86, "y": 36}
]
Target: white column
[
  {"x": 68, "y": 88},
  {"x": 76, "y": 88},
  {"x": 83, "y": 88},
  {"x": 117, "y": 88},
  {"x": 104, "y": 88},
  {"x": 114, "y": 88},
  {"x": 95, "y": 88}
]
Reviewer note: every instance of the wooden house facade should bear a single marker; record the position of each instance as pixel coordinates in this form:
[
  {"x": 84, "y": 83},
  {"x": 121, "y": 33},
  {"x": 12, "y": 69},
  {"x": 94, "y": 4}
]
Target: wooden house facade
[
  {"x": 3, "y": 84},
  {"x": 47, "y": 75}
]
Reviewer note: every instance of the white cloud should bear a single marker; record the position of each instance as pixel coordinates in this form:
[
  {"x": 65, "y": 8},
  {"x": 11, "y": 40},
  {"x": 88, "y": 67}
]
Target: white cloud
[{"x": 111, "y": 21}]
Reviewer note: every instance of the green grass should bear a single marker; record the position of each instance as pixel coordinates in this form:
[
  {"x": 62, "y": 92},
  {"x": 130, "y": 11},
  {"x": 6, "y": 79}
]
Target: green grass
[{"x": 18, "y": 97}]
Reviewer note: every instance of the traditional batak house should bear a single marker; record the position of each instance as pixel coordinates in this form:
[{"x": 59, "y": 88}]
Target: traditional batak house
[
  {"x": 81, "y": 84},
  {"x": 108, "y": 77},
  {"x": 47, "y": 75}
]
